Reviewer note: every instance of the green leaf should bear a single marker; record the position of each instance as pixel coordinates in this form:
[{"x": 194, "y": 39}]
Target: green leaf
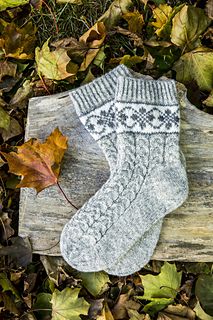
[
  {"x": 6, "y": 285},
  {"x": 53, "y": 64},
  {"x": 43, "y": 302},
  {"x": 200, "y": 313},
  {"x": 94, "y": 282},
  {"x": 204, "y": 292},
  {"x": 67, "y": 305},
  {"x": 187, "y": 25},
  {"x": 156, "y": 305},
  {"x": 164, "y": 285},
  {"x": 196, "y": 65},
  {"x": 4, "y": 4},
  {"x": 4, "y": 119}
]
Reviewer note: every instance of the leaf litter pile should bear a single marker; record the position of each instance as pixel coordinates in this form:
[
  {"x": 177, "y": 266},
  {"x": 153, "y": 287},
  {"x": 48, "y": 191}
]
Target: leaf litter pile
[{"x": 49, "y": 46}]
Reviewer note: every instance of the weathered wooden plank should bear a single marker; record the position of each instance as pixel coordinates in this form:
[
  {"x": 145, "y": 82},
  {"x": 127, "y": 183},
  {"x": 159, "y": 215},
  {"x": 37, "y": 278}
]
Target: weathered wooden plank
[{"x": 187, "y": 233}]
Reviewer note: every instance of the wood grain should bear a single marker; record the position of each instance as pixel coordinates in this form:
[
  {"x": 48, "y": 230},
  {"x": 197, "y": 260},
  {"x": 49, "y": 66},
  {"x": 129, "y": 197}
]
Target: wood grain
[{"x": 187, "y": 233}]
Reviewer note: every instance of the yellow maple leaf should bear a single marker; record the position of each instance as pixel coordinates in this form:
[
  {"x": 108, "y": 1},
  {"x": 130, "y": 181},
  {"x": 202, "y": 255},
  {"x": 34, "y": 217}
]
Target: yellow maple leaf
[
  {"x": 162, "y": 14},
  {"x": 53, "y": 64}
]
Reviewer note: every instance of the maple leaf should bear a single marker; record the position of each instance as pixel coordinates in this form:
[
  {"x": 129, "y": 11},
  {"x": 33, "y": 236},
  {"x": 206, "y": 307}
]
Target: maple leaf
[
  {"x": 53, "y": 64},
  {"x": 38, "y": 163}
]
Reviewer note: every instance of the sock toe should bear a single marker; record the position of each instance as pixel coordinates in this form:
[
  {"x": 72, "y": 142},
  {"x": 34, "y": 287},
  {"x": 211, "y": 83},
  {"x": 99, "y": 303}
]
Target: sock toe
[{"x": 81, "y": 253}]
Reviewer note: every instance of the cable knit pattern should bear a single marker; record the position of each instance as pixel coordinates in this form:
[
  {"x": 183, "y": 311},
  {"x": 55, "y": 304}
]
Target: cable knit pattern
[{"x": 146, "y": 185}]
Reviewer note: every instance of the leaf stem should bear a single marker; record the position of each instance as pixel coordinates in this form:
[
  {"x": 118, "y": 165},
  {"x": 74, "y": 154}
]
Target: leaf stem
[{"x": 62, "y": 191}]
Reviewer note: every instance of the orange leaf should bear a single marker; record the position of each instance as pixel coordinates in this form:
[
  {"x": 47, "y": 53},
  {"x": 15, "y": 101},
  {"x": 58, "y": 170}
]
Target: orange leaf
[{"x": 38, "y": 163}]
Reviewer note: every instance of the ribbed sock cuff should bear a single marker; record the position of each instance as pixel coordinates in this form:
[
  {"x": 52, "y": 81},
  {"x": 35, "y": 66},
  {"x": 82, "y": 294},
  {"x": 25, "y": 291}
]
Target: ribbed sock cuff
[
  {"x": 153, "y": 92},
  {"x": 146, "y": 106},
  {"x": 95, "y": 94}
]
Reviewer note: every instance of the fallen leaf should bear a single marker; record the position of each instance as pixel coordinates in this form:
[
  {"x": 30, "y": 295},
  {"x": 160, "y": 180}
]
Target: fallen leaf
[
  {"x": 19, "y": 43},
  {"x": 8, "y": 303},
  {"x": 69, "y": 1},
  {"x": 22, "y": 95},
  {"x": 200, "y": 313},
  {"x": 128, "y": 60},
  {"x": 94, "y": 39},
  {"x": 4, "y": 119},
  {"x": 161, "y": 289},
  {"x": 43, "y": 301},
  {"x": 115, "y": 11},
  {"x": 209, "y": 101},
  {"x": 14, "y": 130},
  {"x": 95, "y": 282},
  {"x": 7, "y": 68},
  {"x": 100, "y": 58},
  {"x": 209, "y": 9},
  {"x": 187, "y": 25},
  {"x": 164, "y": 285},
  {"x": 106, "y": 313},
  {"x": 204, "y": 292},
  {"x": 135, "y": 315},
  {"x": 179, "y": 311},
  {"x": 119, "y": 311},
  {"x": 53, "y": 64},
  {"x": 96, "y": 308},
  {"x": 135, "y": 21},
  {"x": 196, "y": 65},
  {"x": 162, "y": 15},
  {"x": 75, "y": 48},
  {"x": 67, "y": 305},
  {"x": 4, "y": 4},
  {"x": 6, "y": 230},
  {"x": 38, "y": 163},
  {"x": 156, "y": 305},
  {"x": 20, "y": 251},
  {"x": 7, "y": 285}
]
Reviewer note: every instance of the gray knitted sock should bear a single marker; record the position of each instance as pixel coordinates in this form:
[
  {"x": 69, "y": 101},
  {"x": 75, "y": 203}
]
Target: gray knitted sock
[
  {"x": 85, "y": 243},
  {"x": 98, "y": 115}
]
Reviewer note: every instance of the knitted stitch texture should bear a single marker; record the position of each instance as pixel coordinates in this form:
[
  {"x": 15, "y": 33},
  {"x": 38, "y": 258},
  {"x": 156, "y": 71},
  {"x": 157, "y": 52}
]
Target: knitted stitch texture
[
  {"x": 92, "y": 117},
  {"x": 148, "y": 164}
]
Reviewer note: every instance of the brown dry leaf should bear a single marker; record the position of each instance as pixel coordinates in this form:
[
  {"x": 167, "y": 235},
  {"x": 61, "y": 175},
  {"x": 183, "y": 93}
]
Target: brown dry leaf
[
  {"x": 119, "y": 311},
  {"x": 115, "y": 11},
  {"x": 19, "y": 43},
  {"x": 93, "y": 38},
  {"x": 7, "y": 68},
  {"x": 179, "y": 312},
  {"x": 74, "y": 47},
  {"x": 6, "y": 230},
  {"x": 135, "y": 21},
  {"x": 53, "y": 64},
  {"x": 138, "y": 42},
  {"x": 38, "y": 163},
  {"x": 209, "y": 9}
]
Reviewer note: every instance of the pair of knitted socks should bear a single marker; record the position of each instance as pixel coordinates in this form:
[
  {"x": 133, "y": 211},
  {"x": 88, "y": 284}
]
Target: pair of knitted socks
[{"x": 136, "y": 123}]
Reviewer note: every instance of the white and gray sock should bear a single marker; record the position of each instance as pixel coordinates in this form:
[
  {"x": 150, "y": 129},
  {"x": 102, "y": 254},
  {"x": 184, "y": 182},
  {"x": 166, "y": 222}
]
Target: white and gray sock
[{"x": 98, "y": 120}]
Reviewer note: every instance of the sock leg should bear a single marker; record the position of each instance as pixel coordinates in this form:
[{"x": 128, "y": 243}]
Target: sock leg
[{"x": 118, "y": 214}]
